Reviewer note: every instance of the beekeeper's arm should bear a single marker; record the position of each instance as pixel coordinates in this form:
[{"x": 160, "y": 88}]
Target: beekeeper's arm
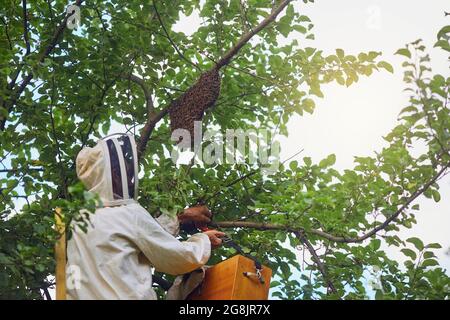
[
  {"x": 196, "y": 216},
  {"x": 169, "y": 223},
  {"x": 166, "y": 253}
]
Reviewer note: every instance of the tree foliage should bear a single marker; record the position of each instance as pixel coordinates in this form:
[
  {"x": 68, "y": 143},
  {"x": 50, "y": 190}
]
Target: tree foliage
[{"x": 61, "y": 89}]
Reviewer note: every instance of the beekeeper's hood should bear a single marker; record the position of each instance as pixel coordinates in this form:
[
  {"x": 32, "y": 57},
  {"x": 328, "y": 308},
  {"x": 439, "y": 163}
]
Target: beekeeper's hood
[{"x": 110, "y": 169}]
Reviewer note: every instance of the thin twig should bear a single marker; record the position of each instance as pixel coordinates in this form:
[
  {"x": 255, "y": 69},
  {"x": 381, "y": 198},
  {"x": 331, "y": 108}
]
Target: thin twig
[
  {"x": 58, "y": 148},
  {"x": 141, "y": 82},
  {"x": 170, "y": 39},
  {"x": 302, "y": 238}
]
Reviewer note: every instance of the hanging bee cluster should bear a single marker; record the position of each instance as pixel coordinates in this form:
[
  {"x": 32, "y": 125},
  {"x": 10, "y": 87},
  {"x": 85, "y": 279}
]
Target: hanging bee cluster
[{"x": 191, "y": 106}]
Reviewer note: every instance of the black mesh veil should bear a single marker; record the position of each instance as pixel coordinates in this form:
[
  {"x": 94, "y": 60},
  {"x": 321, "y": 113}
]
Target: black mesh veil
[
  {"x": 123, "y": 163},
  {"x": 127, "y": 152},
  {"x": 116, "y": 177}
]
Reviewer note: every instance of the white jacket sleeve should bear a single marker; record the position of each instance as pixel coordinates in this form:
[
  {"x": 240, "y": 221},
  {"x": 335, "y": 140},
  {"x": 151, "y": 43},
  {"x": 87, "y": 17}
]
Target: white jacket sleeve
[
  {"x": 169, "y": 223},
  {"x": 166, "y": 253}
]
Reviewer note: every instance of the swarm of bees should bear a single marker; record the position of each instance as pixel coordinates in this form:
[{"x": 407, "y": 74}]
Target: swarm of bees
[{"x": 191, "y": 105}]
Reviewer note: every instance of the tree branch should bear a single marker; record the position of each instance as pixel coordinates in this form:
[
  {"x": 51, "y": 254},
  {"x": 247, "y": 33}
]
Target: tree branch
[
  {"x": 322, "y": 234},
  {"x": 246, "y": 37},
  {"x": 170, "y": 39},
  {"x": 59, "y": 157},
  {"x": 302, "y": 238},
  {"x": 92, "y": 122},
  {"x": 263, "y": 226},
  {"x": 232, "y": 183},
  {"x": 248, "y": 175},
  {"x": 148, "y": 96},
  {"x": 148, "y": 128},
  {"x": 25, "y": 27},
  {"x": 20, "y": 170},
  {"x": 413, "y": 197}
]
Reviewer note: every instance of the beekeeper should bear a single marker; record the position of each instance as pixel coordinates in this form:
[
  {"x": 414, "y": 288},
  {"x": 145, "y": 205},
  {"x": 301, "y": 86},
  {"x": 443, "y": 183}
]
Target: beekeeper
[{"x": 113, "y": 259}]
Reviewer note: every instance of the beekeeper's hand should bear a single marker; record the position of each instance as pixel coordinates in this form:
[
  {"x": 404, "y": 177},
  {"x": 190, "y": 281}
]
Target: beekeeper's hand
[
  {"x": 214, "y": 237},
  {"x": 200, "y": 216}
]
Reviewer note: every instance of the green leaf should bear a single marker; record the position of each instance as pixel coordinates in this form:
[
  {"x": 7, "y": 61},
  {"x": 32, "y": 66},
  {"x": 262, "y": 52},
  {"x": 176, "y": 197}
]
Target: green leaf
[
  {"x": 349, "y": 81},
  {"x": 379, "y": 295},
  {"x": 373, "y": 54},
  {"x": 433, "y": 246},
  {"x": 284, "y": 26},
  {"x": 375, "y": 244},
  {"x": 443, "y": 32},
  {"x": 307, "y": 161},
  {"x": 340, "y": 53},
  {"x": 328, "y": 161},
  {"x": 416, "y": 242},
  {"x": 404, "y": 52},
  {"x": 409, "y": 253},
  {"x": 315, "y": 90},
  {"x": 285, "y": 269},
  {"x": 304, "y": 19},
  {"x": 308, "y": 105},
  {"x": 340, "y": 79},
  {"x": 386, "y": 66},
  {"x": 300, "y": 29},
  {"x": 274, "y": 284},
  {"x": 429, "y": 263},
  {"x": 293, "y": 165},
  {"x": 443, "y": 44},
  {"x": 436, "y": 196}
]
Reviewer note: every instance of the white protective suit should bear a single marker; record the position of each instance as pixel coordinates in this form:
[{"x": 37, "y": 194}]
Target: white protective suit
[{"x": 113, "y": 260}]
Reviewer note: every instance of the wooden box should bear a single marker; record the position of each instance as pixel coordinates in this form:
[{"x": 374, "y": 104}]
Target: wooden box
[{"x": 226, "y": 281}]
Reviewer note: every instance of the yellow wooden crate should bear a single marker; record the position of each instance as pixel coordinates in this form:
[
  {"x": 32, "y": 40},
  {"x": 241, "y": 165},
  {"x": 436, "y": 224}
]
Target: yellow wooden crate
[{"x": 227, "y": 281}]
